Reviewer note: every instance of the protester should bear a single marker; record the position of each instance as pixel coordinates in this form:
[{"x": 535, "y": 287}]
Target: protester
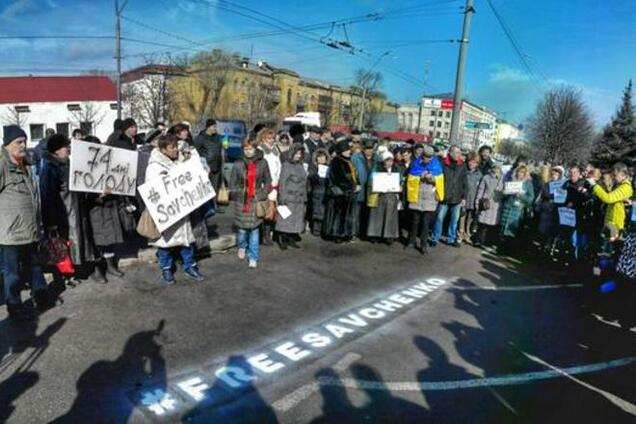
[
  {"x": 283, "y": 143},
  {"x": 126, "y": 139},
  {"x": 454, "y": 197},
  {"x": 179, "y": 237},
  {"x": 266, "y": 139},
  {"x": 514, "y": 205},
  {"x": 468, "y": 221},
  {"x": 616, "y": 197},
  {"x": 364, "y": 162},
  {"x": 313, "y": 143},
  {"x": 40, "y": 150},
  {"x": 427, "y": 171},
  {"x": 250, "y": 184},
  {"x": 548, "y": 217},
  {"x": 317, "y": 182},
  {"x": 78, "y": 135},
  {"x": 342, "y": 187},
  {"x": 485, "y": 160},
  {"x": 577, "y": 198},
  {"x": 161, "y": 127},
  {"x": 488, "y": 203},
  {"x": 209, "y": 145},
  {"x": 65, "y": 213},
  {"x": 117, "y": 130},
  {"x": 383, "y": 213},
  {"x": 292, "y": 195},
  {"x": 19, "y": 227}
]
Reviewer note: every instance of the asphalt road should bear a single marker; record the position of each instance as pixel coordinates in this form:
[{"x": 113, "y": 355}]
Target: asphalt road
[{"x": 330, "y": 333}]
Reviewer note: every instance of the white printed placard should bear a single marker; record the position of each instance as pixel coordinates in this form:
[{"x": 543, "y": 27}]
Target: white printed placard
[
  {"x": 567, "y": 217},
  {"x": 322, "y": 171},
  {"x": 383, "y": 182},
  {"x": 177, "y": 193},
  {"x": 554, "y": 185},
  {"x": 513, "y": 187},
  {"x": 284, "y": 211},
  {"x": 96, "y": 168},
  {"x": 560, "y": 195}
]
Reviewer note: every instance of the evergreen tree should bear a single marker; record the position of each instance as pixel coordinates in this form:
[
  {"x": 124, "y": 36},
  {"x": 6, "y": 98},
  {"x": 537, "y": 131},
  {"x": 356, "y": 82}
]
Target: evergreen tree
[{"x": 618, "y": 142}]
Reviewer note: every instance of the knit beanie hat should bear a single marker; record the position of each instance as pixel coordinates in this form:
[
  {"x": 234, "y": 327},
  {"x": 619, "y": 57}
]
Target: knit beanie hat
[
  {"x": 56, "y": 142},
  {"x": 127, "y": 123},
  {"x": 12, "y": 132}
]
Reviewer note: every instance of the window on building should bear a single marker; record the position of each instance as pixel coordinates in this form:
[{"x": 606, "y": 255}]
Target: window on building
[
  {"x": 440, "y": 113},
  {"x": 445, "y": 135},
  {"x": 289, "y": 96},
  {"x": 431, "y": 123},
  {"x": 22, "y": 109},
  {"x": 61, "y": 128},
  {"x": 446, "y": 125},
  {"x": 37, "y": 131},
  {"x": 448, "y": 114},
  {"x": 74, "y": 107},
  {"x": 432, "y": 113},
  {"x": 87, "y": 127},
  {"x": 430, "y": 133},
  {"x": 439, "y": 124},
  {"x": 113, "y": 106},
  {"x": 437, "y": 134}
]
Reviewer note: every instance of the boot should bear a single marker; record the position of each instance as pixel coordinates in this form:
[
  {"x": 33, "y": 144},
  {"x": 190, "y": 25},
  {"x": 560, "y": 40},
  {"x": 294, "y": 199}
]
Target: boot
[
  {"x": 17, "y": 312},
  {"x": 267, "y": 235},
  {"x": 98, "y": 276},
  {"x": 112, "y": 269},
  {"x": 291, "y": 241},
  {"x": 43, "y": 300},
  {"x": 282, "y": 241}
]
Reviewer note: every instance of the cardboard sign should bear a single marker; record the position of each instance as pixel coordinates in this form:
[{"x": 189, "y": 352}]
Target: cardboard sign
[
  {"x": 567, "y": 217},
  {"x": 177, "y": 193},
  {"x": 560, "y": 196},
  {"x": 513, "y": 187},
  {"x": 384, "y": 182},
  {"x": 95, "y": 168},
  {"x": 554, "y": 185},
  {"x": 322, "y": 171}
]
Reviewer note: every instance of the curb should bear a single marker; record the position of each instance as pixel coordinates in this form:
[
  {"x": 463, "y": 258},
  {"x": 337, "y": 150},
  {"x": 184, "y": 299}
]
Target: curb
[{"x": 146, "y": 256}]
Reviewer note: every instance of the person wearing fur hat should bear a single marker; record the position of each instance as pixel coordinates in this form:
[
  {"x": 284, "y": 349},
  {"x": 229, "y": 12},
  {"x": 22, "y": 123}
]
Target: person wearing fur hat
[
  {"x": 65, "y": 213},
  {"x": 342, "y": 187},
  {"x": 292, "y": 193},
  {"x": 317, "y": 186},
  {"x": 19, "y": 227},
  {"x": 384, "y": 211}
]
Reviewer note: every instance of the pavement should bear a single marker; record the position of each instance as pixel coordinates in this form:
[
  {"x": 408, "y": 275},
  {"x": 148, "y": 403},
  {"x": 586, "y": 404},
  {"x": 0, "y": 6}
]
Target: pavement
[{"x": 354, "y": 332}]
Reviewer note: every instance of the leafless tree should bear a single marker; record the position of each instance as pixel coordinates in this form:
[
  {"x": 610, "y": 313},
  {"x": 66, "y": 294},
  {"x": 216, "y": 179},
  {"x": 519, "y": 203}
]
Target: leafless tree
[
  {"x": 148, "y": 97},
  {"x": 262, "y": 104},
  {"x": 512, "y": 149},
  {"x": 561, "y": 130},
  {"x": 87, "y": 113},
  {"x": 13, "y": 117},
  {"x": 367, "y": 86}
]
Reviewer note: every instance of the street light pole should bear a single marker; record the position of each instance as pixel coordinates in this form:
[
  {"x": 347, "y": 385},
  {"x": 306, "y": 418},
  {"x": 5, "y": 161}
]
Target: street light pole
[
  {"x": 461, "y": 67},
  {"x": 118, "y": 11}
]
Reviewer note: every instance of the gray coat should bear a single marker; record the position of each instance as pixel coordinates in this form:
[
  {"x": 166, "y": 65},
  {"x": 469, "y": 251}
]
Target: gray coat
[
  {"x": 427, "y": 200},
  {"x": 18, "y": 204},
  {"x": 490, "y": 188},
  {"x": 245, "y": 214},
  {"x": 292, "y": 192},
  {"x": 384, "y": 218},
  {"x": 472, "y": 182}
]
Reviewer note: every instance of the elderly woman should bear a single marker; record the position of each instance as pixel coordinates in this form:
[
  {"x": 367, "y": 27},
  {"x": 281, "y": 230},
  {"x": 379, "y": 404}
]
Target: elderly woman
[
  {"x": 518, "y": 196},
  {"x": 467, "y": 221},
  {"x": 384, "y": 211},
  {"x": 488, "y": 203},
  {"x": 293, "y": 196}
]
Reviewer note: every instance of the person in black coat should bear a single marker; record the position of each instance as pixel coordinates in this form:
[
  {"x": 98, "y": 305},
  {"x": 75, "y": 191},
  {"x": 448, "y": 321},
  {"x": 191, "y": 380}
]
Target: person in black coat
[
  {"x": 454, "y": 196},
  {"x": 317, "y": 183},
  {"x": 342, "y": 187}
]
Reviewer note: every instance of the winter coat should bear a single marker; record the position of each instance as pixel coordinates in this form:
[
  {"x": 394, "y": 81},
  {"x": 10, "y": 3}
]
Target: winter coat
[
  {"x": 292, "y": 192},
  {"x": 384, "y": 218},
  {"x": 489, "y": 188},
  {"x": 513, "y": 209},
  {"x": 548, "y": 219},
  {"x": 341, "y": 185},
  {"x": 427, "y": 200},
  {"x": 179, "y": 234},
  {"x": 275, "y": 164},
  {"x": 317, "y": 187},
  {"x": 122, "y": 142},
  {"x": 454, "y": 181},
  {"x": 18, "y": 203},
  {"x": 363, "y": 170},
  {"x": 245, "y": 215},
  {"x": 66, "y": 210},
  {"x": 486, "y": 166},
  {"x": 310, "y": 149},
  {"x": 472, "y": 182},
  {"x": 210, "y": 148},
  {"x": 615, "y": 213}
]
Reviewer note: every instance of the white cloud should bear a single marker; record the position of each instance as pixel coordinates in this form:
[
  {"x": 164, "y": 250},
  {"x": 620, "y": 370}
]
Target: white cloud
[
  {"x": 87, "y": 51},
  {"x": 22, "y": 7}
]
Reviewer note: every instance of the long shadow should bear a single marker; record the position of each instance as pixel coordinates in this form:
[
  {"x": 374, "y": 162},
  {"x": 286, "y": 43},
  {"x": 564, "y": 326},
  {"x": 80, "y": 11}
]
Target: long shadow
[
  {"x": 101, "y": 388},
  {"x": 241, "y": 404},
  {"x": 16, "y": 364}
]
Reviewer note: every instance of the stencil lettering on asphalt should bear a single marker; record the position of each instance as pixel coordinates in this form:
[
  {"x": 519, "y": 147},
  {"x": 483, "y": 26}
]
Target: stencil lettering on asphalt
[{"x": 223, "y": 382}]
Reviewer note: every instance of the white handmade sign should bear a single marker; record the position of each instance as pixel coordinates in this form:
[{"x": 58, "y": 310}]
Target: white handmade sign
[
  {"x": 383, "y": 182},
  {"x": 560, "y": 195},
  {"x": 567, "y": 217},
  {"x": 177, "y": 193},
  {"x": 513, "y": 187},
  {"x": 322, "y": 171},
  {"x": 97, "y": 168}
]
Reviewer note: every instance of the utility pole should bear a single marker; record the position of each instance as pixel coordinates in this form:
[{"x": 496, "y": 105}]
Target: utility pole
[
  {"x": 419, "y": 110},
  {"x": 118, "y": 11},
  {"x": 461, "y": 67}
]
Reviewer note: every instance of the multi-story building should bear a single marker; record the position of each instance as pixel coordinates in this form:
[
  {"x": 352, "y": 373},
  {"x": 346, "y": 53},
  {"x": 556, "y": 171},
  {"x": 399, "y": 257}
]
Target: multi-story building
[
  {"x": 409, "y": 118},
  {"x": 507, "y": 131}
]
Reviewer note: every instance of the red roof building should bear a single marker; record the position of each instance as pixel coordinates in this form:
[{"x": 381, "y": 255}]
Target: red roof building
[{"x": 16, "y": 90}]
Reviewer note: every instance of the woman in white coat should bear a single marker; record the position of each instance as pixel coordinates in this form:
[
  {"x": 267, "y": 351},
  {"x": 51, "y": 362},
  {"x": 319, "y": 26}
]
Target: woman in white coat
[{"x": 179, "y": 237}]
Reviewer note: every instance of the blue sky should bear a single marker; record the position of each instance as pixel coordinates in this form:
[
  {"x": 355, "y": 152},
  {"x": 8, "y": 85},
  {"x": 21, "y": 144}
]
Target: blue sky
[{"x": 584, "y": 43}]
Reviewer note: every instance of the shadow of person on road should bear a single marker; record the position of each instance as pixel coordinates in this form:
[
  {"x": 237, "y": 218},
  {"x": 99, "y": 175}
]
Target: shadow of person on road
[
  {"x": 336, "y": 406},
  {"x": 101, "y": 389},
  {"x": 233, "y": 398}
]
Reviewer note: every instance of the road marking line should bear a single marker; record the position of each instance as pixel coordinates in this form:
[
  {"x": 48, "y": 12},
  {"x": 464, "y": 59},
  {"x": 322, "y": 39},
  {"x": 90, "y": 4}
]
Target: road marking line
[
  {"x": 520, "y": 288},
  {"x": 614, "y": 323},
  {"x": 621, "y": 403},
  {"x": 503, "y": 401}
]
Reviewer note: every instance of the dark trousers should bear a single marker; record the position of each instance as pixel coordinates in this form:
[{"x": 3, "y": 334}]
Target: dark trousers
[
  {"x": 19, "y": 265},
  {"x": 421, "y": 225},
  {"x": 484, "y": 234}
]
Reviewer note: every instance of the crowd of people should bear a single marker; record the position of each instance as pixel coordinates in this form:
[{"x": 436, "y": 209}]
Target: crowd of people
[{"x": 308, "y": 181}]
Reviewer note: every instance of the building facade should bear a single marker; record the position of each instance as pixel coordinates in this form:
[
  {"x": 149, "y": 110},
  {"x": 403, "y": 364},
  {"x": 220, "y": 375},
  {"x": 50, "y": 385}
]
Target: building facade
[
  {"x": 59, "y": 103},
  {"x": 409, "y": 118},
  {"x": 507, "y": 131}
]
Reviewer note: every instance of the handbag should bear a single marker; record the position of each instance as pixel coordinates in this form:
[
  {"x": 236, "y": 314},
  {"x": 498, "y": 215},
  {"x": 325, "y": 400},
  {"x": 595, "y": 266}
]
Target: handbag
[
  {"x": 223, "y": 197},
  {"x": 335, "y": 191},
  {"x": 266, "y": 209},
  {"x": 147, "y": 227},
  {"x": 126, "y": 217},
  {"x": 484, "y": 204},
  {"x": 373, "y": 199},
  {"x": 59, "y": 254}
]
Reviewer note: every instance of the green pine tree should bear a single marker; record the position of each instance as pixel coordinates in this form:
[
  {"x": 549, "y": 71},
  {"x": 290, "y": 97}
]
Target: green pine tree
[{"x": 618, "y": 142}]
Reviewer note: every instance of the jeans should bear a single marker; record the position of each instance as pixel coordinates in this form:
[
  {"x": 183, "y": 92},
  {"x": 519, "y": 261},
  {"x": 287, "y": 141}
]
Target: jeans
[
  {"x": 20, "y": 264},
  {"x": 187, "y": 256},
  {"x": 455, "y": 211},
  {"x": 248, "y": 239}
]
